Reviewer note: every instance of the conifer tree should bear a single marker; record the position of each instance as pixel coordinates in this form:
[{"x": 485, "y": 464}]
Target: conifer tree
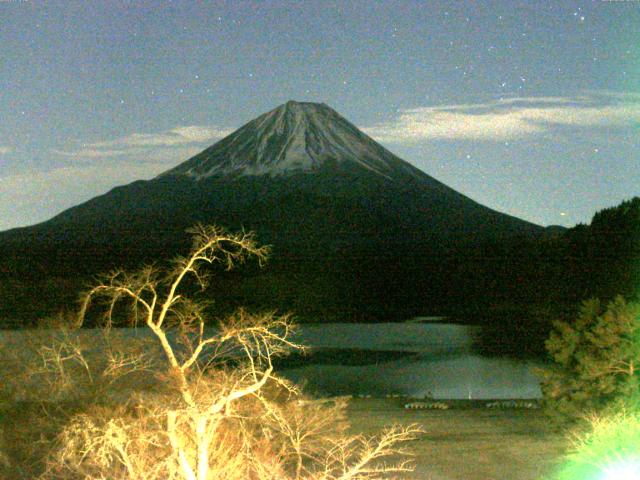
[{"x": 596, "y": 360}]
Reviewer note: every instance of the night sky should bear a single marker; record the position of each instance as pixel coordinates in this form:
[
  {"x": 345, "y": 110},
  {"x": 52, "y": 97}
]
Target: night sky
[{"x": 531, "y": 108}]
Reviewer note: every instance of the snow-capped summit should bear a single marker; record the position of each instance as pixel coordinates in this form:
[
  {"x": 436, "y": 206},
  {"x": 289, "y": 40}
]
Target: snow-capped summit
[{"x": 294, "y": 137}]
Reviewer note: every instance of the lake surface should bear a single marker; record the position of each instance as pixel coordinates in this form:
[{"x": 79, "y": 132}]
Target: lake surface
[
  {"x": 410, "y": 359},
  {"x": 439, "y": 361}
]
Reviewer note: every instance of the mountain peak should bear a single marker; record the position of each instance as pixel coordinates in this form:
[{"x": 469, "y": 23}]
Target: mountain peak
[
  {"x": 294, "y": 137},
  {"x": 297, "y": 104},
  {"x": 294, "y": 105}
]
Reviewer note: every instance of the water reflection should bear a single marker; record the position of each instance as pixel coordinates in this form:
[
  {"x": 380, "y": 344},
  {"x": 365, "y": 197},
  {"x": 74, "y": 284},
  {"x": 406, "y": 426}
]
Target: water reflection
[{"x": 413, "y": 359}]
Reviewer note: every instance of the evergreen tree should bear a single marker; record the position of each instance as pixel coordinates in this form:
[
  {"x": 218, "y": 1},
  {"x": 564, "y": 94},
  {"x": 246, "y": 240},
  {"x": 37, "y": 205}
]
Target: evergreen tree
[
  {"x": 596, "y": 360},
  {"x": 603, "y": 258}
]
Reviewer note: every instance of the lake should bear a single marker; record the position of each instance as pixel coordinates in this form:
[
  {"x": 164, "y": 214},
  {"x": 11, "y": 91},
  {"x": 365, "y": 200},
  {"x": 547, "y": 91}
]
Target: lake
[{"x": 412, "y": 359}]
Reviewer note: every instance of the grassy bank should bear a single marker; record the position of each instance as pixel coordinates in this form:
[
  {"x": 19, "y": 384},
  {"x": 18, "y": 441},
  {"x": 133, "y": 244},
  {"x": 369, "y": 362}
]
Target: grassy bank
[{"x": 469, "y": 442}]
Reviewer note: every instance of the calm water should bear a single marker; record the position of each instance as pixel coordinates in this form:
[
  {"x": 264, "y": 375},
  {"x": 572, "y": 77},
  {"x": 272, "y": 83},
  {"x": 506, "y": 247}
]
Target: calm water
[{"x": 440, "y": 362}]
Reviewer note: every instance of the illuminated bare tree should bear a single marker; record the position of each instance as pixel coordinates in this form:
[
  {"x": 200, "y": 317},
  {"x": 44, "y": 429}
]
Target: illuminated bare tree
[{"x": 217, "y": 411}]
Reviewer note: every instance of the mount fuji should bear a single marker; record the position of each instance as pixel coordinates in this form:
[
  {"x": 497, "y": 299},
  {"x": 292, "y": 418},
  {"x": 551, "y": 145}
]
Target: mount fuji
[
  {"x": 295, "y": 137},
  {"x": 351, "y": 224}
]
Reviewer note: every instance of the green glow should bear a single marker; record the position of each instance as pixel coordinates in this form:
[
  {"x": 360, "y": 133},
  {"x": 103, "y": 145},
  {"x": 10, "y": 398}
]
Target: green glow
[
  {"x": 624, "y": 470},
  {"x": 609, "y": 451}
]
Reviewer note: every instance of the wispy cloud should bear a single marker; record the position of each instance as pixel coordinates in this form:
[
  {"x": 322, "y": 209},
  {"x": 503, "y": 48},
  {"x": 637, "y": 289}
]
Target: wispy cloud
[
  {"x": 90, "y": 152},
  {"x": 174, "y": 137},
  {"x": 509, "y": 118},
  {"x": 148, "y": 146}
]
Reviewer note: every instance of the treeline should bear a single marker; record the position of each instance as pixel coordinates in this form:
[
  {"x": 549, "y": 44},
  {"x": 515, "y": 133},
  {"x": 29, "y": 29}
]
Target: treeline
[
  {"x": 515, "y": 288},
  {"x": 556, "y": 274}
]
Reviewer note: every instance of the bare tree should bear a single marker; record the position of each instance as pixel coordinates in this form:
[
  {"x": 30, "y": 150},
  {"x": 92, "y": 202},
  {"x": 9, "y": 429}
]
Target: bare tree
[{"x": 217, "y": 410}]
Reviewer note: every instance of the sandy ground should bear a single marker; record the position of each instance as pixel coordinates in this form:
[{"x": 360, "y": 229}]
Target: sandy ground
[{"x": 469, "y": 443}]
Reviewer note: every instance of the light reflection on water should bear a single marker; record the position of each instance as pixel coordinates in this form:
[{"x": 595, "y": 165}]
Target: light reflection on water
[{"x": 443, "y": 363}]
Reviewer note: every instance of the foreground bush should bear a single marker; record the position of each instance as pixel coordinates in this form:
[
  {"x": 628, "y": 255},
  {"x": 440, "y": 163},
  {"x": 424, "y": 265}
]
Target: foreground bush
[{"x": 185, "y": 402}]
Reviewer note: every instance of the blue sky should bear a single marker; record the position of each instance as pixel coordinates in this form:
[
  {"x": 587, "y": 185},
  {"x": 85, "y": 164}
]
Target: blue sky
[{"x": 531, "y": 108}]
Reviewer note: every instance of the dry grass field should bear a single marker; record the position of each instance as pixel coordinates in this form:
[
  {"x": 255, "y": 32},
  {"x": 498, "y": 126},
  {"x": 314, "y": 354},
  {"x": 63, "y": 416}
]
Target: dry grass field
[{"x": 469, "y": 443}]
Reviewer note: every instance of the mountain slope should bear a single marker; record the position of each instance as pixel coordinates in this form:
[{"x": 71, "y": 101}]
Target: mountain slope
[{"x": 299, "y": 152}]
